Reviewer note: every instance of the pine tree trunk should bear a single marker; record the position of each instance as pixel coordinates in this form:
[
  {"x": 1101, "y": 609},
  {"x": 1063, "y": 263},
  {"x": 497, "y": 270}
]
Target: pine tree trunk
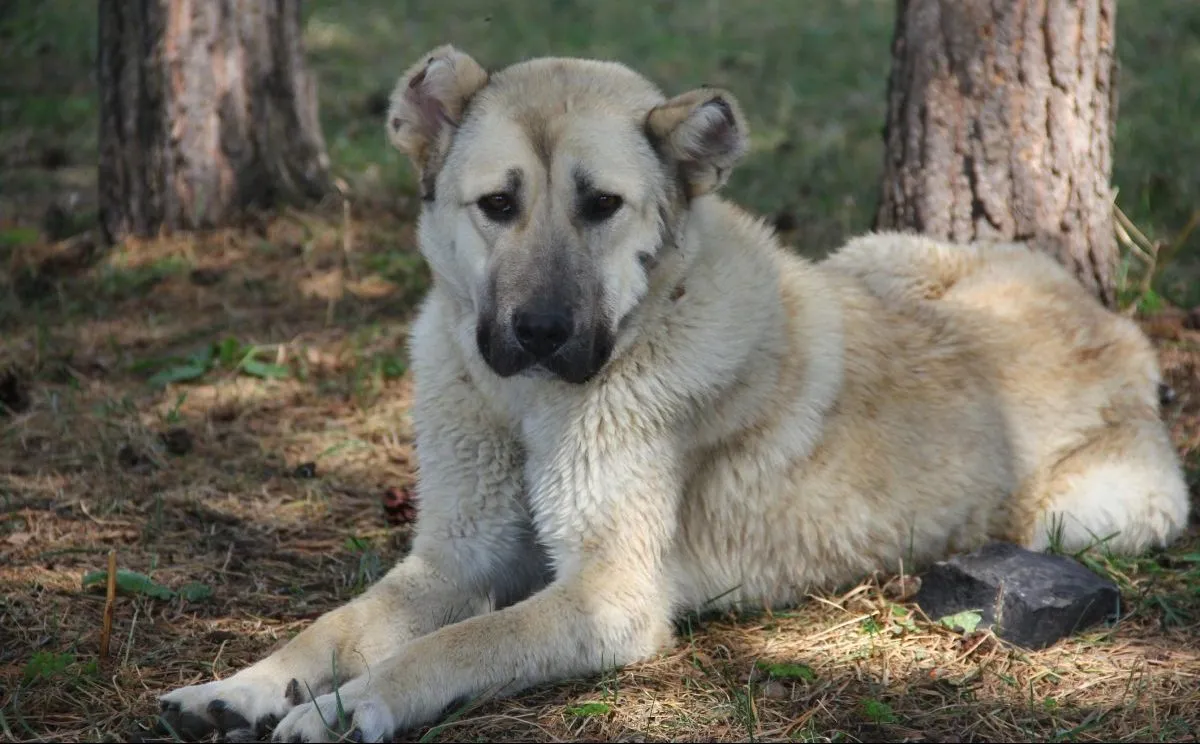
[
  {"x": 999, "y": 126},
  {"x": 206, "y": 111}
]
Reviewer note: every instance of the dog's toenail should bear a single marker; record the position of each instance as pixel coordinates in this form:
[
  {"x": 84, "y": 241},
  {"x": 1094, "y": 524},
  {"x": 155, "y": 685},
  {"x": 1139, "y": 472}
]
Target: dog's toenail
[
  {"x": 267, "y": 723},
  {"x": 292, "y": 693}
]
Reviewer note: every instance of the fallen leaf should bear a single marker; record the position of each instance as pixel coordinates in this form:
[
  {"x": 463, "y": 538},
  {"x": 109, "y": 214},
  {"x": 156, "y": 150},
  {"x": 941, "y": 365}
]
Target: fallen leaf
[
  {"x": 195, "y": 592},
  {"x": 966, "y": 621},
  {"x": 329, "y": 285},
  {"x": 587, "y": 710},
  {"x": 372, "y": 287},
  {"x": 130, "y": 582}
]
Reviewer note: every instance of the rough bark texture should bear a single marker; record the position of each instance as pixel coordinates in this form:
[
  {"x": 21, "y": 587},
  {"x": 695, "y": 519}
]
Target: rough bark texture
[
  {"x": 206, "y": 110},
  {"x": 1000, "y": 122}
]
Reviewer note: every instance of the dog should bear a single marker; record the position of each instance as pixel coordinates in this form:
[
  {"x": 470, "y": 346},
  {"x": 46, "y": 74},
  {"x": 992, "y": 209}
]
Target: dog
[{"x": 630, "y": 402}]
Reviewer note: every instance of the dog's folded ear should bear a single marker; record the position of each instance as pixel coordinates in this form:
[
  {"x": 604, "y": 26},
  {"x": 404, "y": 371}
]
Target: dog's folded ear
[
  {"x": 704, "y": 132},
  {"x": 428, "y": 102}
]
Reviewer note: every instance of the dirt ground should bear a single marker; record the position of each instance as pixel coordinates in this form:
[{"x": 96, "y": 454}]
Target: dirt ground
[{"x": 250, "y": 490}]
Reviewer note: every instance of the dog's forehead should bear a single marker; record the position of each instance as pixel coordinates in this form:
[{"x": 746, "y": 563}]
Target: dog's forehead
[
  {"x": 554, "y": 84},
  {"x": 556, "y": 114}
]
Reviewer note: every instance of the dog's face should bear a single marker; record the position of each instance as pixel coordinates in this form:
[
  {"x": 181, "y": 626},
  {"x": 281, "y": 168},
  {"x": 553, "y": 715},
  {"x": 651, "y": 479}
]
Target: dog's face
[{"x": 552, "y": 190}]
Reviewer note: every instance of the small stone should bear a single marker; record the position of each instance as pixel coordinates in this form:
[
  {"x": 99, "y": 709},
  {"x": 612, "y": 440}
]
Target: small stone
[
  {"x": 776, "y": 690},
  {"x": 1027, "y": 598}
]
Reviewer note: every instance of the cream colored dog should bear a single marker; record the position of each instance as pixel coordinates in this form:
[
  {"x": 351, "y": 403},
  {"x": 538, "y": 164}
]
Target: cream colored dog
[{"x": 630, "y": 400}]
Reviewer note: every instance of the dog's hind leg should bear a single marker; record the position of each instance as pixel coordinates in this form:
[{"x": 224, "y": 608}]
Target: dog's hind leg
[{"x": 1122, "y": 490}]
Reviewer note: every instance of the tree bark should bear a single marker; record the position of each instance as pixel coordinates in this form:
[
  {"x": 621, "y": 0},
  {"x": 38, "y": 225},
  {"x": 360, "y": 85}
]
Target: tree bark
[
  {"x": 999, "y": 127},
  {"x": 207, "y": 111}
]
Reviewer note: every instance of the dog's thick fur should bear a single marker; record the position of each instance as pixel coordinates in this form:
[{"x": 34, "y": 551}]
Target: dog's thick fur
[{"x": 716, "y": 419}]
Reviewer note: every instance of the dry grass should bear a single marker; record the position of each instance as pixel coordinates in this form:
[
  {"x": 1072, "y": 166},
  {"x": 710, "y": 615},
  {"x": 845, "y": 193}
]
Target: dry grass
[{"x": 88, "y": 466}]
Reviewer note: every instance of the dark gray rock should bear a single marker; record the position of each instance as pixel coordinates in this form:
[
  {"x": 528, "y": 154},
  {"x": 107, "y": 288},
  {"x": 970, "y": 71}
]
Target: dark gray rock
[{"x": 1027, "y": 598}]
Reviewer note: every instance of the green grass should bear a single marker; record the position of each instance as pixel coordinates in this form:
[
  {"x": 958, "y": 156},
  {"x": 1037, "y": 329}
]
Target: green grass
[
  {"x": 811, "y": 76},
  {"x": 815, "y": 117}
]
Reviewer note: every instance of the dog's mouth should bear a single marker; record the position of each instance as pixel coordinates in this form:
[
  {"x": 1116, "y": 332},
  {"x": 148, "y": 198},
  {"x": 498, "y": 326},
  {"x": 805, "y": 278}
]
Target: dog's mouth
[{"x": 577, "y": 361}]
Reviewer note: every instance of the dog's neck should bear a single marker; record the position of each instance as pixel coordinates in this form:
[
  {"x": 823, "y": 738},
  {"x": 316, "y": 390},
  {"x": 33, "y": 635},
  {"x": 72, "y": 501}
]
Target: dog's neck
[{"x": 682, "y": 247}]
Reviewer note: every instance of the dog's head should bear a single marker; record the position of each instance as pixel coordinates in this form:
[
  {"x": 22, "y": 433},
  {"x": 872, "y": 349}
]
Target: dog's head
[{"x": 551, "y": 193}]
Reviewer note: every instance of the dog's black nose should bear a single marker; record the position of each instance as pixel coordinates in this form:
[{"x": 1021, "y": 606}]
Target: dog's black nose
[{"x": 541, "y": 332}]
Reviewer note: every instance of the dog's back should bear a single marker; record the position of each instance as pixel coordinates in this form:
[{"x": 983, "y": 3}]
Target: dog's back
[{"x": 1078, "y": 384}]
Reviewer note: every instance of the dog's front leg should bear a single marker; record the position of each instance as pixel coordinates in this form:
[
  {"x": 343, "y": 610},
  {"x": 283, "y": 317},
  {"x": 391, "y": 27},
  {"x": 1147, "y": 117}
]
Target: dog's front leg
[
  {"x": 473, "y": 545},
  {"x": 606, "y": 515}
]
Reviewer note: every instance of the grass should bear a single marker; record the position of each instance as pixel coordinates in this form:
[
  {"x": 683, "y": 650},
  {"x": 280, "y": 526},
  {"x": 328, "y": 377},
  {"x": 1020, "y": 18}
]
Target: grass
[
  {"x": 227, "y": 409},
  {"x": 811, "y": 77}
]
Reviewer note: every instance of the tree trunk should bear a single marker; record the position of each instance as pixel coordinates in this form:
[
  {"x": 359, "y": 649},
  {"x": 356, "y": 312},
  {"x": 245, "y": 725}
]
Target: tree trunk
[
  {"x": 206, "y": 111},
  {"x": 999, "y": 126}
]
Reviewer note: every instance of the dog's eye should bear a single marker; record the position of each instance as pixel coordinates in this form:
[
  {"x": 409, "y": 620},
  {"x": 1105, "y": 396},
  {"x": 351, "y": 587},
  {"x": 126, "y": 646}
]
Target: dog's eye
[
  {"x": 498, "y": 207},
  {"x": 599, "y": 207}
]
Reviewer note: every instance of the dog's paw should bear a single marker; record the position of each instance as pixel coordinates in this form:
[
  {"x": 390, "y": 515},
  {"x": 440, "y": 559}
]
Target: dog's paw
[
  {"x": 241, "y": 708},
  {"x": 353, "y": 713}
]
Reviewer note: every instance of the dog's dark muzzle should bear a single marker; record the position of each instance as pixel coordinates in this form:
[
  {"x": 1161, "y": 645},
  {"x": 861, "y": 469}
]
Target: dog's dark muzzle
[{"x": 554, "y": 337}]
